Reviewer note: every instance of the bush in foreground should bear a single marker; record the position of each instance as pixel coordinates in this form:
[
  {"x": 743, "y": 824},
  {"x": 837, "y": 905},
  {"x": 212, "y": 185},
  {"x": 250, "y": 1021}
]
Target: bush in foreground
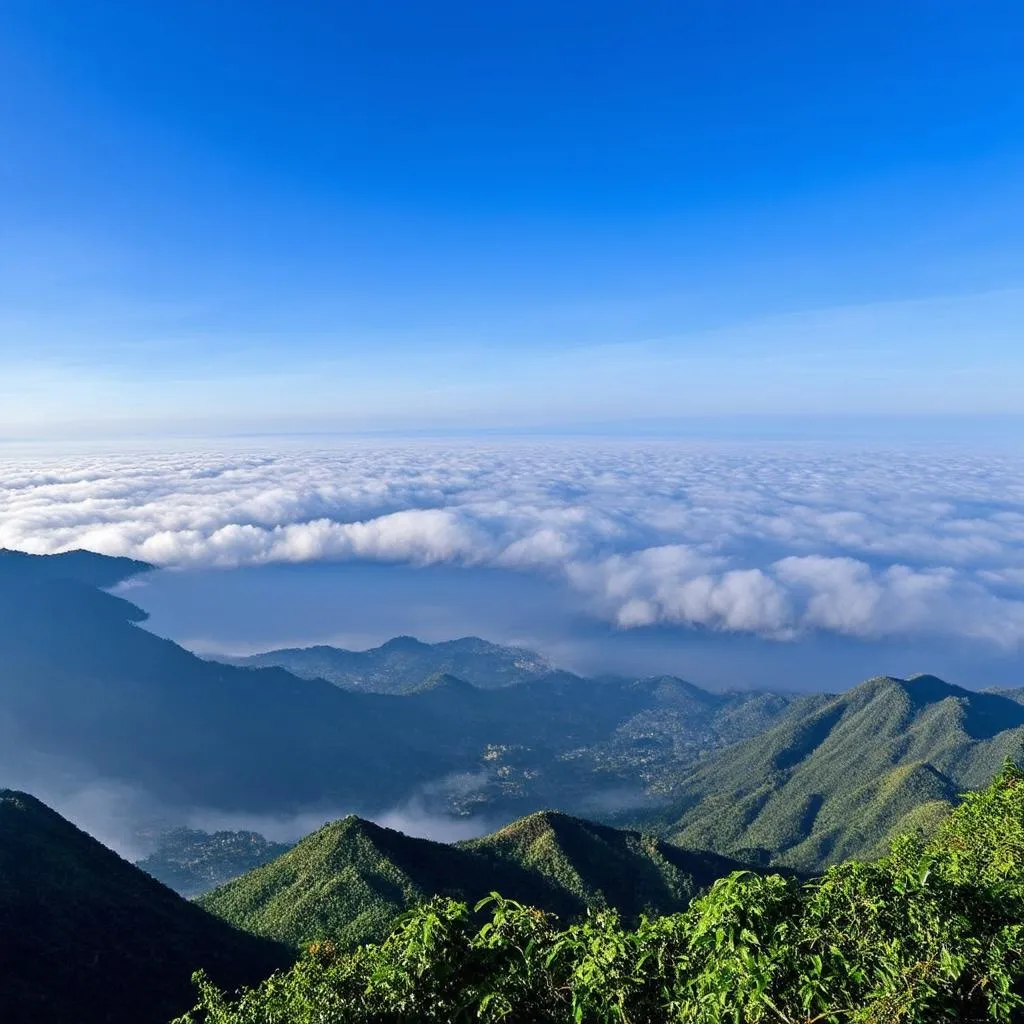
[{"x": 934, "y": 931}]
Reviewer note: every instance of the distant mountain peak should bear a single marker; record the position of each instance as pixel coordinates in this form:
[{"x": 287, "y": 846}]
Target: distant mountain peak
[
  {"x": 21, "y": 810},
  {"x": 474, "y": 644},
  {"x": 354, "y": 823},
  {"x": 546, "y": 819},
  {"x": 672, "y": 689},
  {"x": 922, "y": 689},
  {"x": 350, "y": 879},
  {"x": 402, "y": 643},
  {"x": 933, "y": 687},
  {"x": 404, "y": 664}
]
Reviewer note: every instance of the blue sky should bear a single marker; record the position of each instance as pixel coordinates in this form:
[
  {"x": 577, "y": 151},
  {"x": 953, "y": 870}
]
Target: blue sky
[{"x": 254, "y": 217}]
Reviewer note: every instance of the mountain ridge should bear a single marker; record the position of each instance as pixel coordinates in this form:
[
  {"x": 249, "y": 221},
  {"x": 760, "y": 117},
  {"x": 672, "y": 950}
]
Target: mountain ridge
[
  {"x": 403, "y": 663},
  {"x": 81, "y": 566},
  {"x": 82, "y": 686},
  {"x": 888, "y": 754},
  {"x": 778, "y": 777},
  {"x": 349, "y": 880}
]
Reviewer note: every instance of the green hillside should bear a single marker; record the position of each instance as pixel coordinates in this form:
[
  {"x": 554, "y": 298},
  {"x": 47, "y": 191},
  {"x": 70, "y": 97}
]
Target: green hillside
[
  {"x": 931, "y": 932},
  {"x": 351, "y": 879},
  {"x": 87, "y": 937},
  {"x": 838, "y": 776},
  {"x": 348, "y": 881},
  {"x": 674, "y": 723},
  {"x": 597, "y": 865}
]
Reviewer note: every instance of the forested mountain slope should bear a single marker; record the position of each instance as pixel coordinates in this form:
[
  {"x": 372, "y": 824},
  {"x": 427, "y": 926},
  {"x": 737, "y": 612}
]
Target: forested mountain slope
[
  {"x": 83, "y": 685},
  {"x": 351, "y": 879},
  {"x": 931, "y": 932},
  {"x": 838, "y": 776},
  {"x": 597, "y": 865},
  {"x": 803, "y": 781},
  {"x": 87, "y": 937}
]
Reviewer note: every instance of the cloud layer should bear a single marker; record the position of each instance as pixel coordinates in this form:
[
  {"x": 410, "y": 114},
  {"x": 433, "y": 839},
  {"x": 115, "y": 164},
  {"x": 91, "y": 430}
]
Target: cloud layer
[{"x": 771, "y": 540}]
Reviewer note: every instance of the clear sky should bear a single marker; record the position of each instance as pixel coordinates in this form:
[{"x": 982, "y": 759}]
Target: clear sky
[{"x": 223, "y": 216}]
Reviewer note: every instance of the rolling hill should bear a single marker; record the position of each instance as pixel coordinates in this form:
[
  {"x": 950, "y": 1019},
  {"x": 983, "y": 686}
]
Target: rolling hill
[
  {"x": 87, "y": 937},
  {"x": 838, "y": 776},
  {"x": 594, "y": 864},
  {"x": 931, "y": 932},
  {"x": 762, "y": 777},
  {"x": 86, "y": 693},
  {"x": 352, "y": 878},
  {"x": 404, "y": 663}
]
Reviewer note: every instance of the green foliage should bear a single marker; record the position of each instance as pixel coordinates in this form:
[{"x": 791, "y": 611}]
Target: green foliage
[
  {"x": 933, "y": 931},
  {"x": 839, "y": 777},
  {"x": 350, "y": 880}
]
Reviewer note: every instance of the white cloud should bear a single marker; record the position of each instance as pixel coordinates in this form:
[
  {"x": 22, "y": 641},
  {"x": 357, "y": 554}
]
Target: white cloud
[{"x": 773, "y": 540}]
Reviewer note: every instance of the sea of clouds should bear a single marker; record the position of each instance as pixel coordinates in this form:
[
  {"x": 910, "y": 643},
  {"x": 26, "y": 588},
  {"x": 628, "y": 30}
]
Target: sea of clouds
[{"x": 774, "y": 540}]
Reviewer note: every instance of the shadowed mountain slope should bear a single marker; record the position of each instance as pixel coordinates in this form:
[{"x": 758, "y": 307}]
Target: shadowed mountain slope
[
  {"x": 838, "y": 776},
  {"x": 85, "y": 567},
  {"x": 352, "y": 878},
  {"x": 87, "y": 937},
  {"x": 82, "y": 685}
]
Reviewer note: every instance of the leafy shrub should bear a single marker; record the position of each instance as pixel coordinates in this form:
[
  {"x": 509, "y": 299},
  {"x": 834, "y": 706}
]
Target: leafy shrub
[{"x": 932, "y": 932}]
